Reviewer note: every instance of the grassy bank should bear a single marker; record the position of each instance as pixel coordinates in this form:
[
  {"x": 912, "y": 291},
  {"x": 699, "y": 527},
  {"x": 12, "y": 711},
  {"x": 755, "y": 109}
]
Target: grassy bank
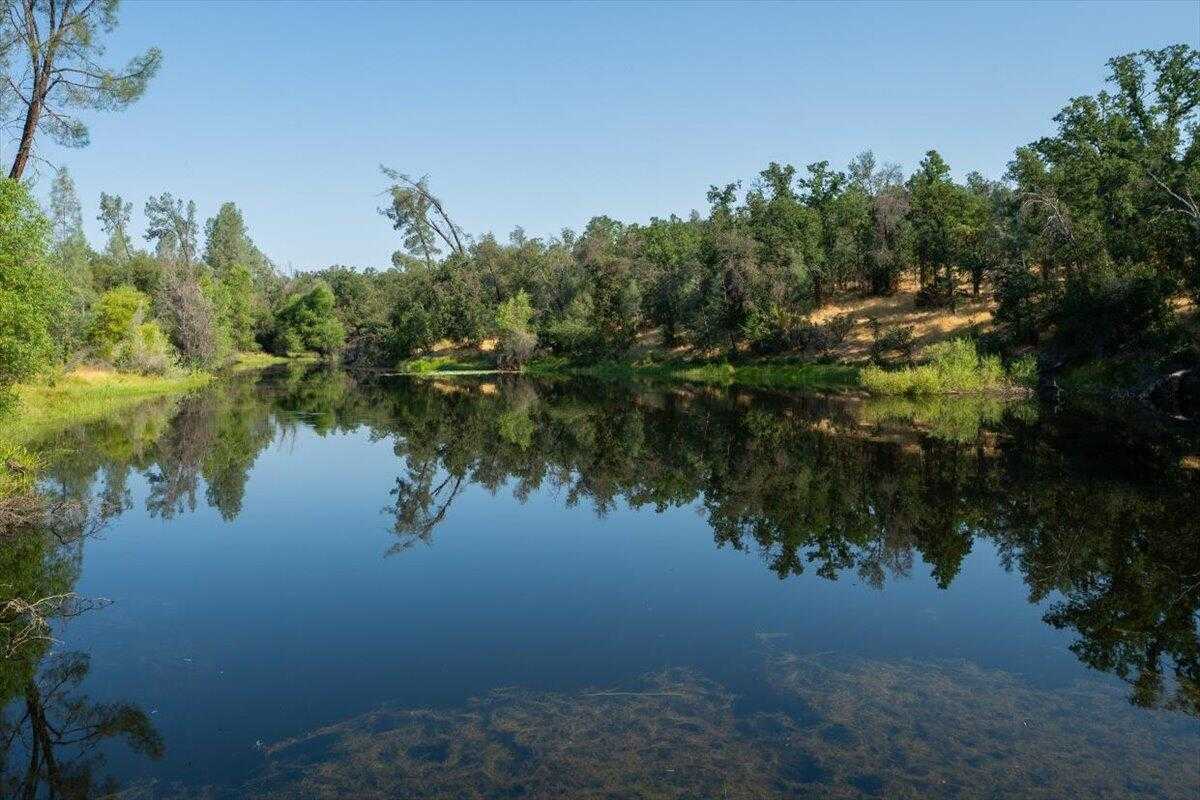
[
  {"x": 953, "y": 368},
  {"x": 53, "y": 404},
  {"x": 40, "y": 409},
  {"x": 429, "y": 365},
  {"x": 948, "y": 368},
  {"x": 776, "y": 375},
  {"x": 258, "y": 360}
]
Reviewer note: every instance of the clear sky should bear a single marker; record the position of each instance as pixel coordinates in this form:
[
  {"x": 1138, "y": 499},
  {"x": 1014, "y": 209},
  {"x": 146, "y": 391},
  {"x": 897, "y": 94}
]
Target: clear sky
[{"x": 544, "y": 115}]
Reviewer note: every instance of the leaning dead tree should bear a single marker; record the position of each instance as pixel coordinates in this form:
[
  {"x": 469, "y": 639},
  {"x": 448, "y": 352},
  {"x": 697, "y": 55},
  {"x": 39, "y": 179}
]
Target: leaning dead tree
[{"x": 421, "y": 218}]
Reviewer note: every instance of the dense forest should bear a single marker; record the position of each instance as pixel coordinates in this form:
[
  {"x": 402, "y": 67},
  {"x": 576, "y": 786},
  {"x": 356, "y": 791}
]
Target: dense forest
[{"x": 1088, "y": 244}]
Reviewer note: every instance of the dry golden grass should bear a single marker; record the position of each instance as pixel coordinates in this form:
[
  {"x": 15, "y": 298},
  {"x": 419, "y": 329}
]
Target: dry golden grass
[{"x": 929, "y": 325}]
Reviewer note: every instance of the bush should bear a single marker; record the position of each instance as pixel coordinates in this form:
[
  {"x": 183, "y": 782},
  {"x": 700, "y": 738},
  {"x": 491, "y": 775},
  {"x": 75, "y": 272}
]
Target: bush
[
  {"x": 307, "y": 322},
  {"x": 117, "y": 311},
  {"x": 1109, "y": 309},
  {"x": 145, "y": 349},
  {"x": 516, "y": 348},
  {"x": 1020, "y": 305},
  {"x": 895, "y": 344},
  {"x": 1023, "y": 372},
  {"x": 517, "y": 342},
  {"x": 838, "y": 328},
  {"x": 938, "y": 293},
  {"x": 953, "y": 367},
  {"x": 573, "y": 334}
]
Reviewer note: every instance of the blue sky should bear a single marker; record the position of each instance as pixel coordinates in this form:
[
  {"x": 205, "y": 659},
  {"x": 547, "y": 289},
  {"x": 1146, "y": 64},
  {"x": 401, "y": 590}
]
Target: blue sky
[{"x": 544, "y": 115}]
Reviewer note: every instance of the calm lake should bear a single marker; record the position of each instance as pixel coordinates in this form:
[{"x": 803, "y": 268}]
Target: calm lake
[{"x": 310, "y": 584}]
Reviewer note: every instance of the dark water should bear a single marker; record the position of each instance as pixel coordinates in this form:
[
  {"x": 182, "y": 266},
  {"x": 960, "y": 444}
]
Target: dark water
[{"x": 321, "y": 586}]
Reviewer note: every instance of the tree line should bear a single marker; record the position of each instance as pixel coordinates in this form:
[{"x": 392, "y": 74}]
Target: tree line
[{"x": 1088, "y": 243}]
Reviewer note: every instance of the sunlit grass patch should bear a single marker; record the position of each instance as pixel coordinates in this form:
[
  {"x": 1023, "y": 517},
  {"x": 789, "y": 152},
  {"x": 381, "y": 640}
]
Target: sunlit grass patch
[
  {"x": 953, "y": 367},
  {"x": 258, "y": 360},
  {"x": 431, "y": 364},
  {"x": 52, "y": 404}
]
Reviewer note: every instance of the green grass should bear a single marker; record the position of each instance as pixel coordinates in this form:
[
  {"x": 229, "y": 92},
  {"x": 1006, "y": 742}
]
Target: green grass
[
  {"x": 39, "y": 410},
  {"x": 43, "y": 408},
  {"x": 427, "y": 365},
  {"x": 258, "y": 360},
  {"x": 953, "y": 367}
]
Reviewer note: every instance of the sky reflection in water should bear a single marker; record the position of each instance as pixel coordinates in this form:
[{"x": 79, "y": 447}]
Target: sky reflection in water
[{"x": 494, "y": 588}]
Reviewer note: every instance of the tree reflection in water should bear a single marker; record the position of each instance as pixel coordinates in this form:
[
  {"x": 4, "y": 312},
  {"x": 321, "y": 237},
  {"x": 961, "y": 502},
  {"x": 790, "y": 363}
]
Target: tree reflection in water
[
  {"x": 1098, "y": 517},
  {"x": 48, "y": 742},
  {"x": 51, "y": 733}
]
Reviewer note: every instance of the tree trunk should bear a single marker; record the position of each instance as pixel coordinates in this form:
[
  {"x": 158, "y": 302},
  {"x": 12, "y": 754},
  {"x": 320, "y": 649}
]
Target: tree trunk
[{"x": 29, "y": 130}]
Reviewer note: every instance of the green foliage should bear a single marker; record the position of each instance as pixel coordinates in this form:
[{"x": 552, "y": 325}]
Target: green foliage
[
  {"x": 1105, "y": 214},
  {"x": 145, "y": 350},
  {"x": 517, "y": 339},
  {"x": 953, "y": 367},
  {"x": 572, "y": 334},
  {"x": 307, "y": 323},
  {"x": 227, "y": 243},
  {"x": 234, "y": 290},
  {"x": 114, "y": 219},
  {"x": 431, "y": 364},
  {"x": 414, "y": 326},
  {"x": 894, "y": 345},
  {"x": 67, "y": 41},
  {"x": 31, "y": 295},
  {"x": 117, "y": 312}
]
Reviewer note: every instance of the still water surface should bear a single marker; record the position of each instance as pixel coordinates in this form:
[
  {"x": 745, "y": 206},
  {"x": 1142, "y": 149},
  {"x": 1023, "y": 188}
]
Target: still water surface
[{"x": 322, "y": 586}]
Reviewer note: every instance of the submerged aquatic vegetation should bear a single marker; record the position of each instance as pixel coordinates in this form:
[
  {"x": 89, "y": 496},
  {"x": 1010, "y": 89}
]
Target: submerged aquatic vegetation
[{"x": 864, "y": 728}]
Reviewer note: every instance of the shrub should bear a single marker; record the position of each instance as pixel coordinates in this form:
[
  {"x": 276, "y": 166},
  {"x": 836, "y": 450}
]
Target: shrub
[
  {"x": 517, "y": 342},
  {"x": 573, "y": 334},
  {"x": 838, "y": 328},
  {"x": 953, "y": 367},
  {"x": 938, "y": 293},
  {"x": 145, "y": 349},
  {"x": 895, "y": 344},
  {"x": 307, "y": 322},
  {"x": 1109, "y": 309},
  {"x": 117, "y": 311},
  {"x": 1023, "y": 371}
]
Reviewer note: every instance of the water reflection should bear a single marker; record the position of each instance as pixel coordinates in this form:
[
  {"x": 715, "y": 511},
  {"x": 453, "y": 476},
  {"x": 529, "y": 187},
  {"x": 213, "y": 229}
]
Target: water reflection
[
  {"x": 1098, "y": 519},
  {"x": 49, "y": 738},
  {"x": 51, "y": 732}
]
